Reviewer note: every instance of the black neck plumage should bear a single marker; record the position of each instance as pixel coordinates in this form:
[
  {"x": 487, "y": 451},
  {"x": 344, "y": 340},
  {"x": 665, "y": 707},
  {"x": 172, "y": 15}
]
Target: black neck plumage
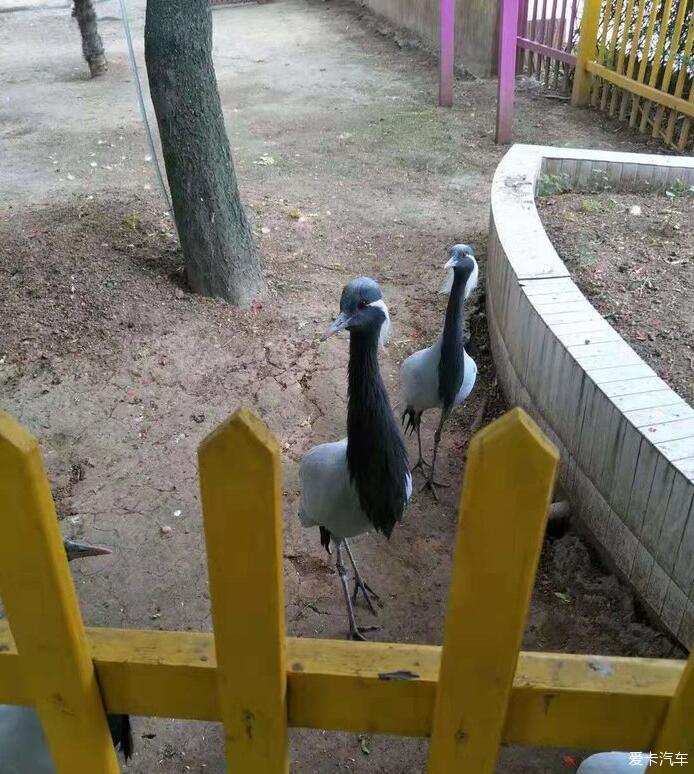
[
  {"x": 452, "y": 361},
  {"x": 376, "y": 456}
]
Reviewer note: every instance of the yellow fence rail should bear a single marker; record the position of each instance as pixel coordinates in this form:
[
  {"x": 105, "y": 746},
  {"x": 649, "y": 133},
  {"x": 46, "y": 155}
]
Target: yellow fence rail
[
  {"x": 470, "y": 695},
  {"x": 636, "y": 62}
]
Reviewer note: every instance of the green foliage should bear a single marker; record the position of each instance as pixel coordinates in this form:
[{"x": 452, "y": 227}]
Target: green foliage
[
  {"x": 679, "y": 189},
  {"x": 551, "y": 185},
  {"x": 600, "y": 181}
]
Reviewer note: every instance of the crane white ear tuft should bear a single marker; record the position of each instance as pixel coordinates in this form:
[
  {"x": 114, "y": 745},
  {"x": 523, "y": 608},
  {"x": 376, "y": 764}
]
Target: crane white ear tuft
[
  {"x": 385, "y": 325},
  {"x": 472, "y": 280}
]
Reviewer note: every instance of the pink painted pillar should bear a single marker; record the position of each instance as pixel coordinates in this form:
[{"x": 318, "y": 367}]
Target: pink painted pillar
[
  {"x": 508, "y": 33},
  {"x": 446, "y": 51}
]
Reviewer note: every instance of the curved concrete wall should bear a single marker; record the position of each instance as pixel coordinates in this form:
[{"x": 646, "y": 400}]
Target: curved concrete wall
[{"x": 626, "y": 439}]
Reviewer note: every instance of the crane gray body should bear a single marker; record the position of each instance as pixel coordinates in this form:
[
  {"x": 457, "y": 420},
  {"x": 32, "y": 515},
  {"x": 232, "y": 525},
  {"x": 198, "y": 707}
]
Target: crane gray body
[
  {"x": 419, "y": 379},
  {"x": 329, "y": 499},
  {"x": 23, "y": 747}
]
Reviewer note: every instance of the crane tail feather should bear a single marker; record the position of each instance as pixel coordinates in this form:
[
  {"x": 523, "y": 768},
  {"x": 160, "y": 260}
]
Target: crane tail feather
[
  {"x": 409, "y": 420},
  {"x": 325, "y": 537},
  {"x": 122, "y": 734}
]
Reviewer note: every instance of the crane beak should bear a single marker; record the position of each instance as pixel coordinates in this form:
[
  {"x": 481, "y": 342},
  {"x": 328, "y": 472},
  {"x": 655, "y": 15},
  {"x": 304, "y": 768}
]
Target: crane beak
[
  {"x": 76, "y": 550},
  {"x": 450, "y": 263},
  {"x": 340, "y": 324}
]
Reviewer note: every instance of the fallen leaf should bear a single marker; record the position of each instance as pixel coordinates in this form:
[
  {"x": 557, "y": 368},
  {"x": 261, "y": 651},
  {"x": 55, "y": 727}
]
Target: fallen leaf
[
  {"x": 564, "y": 597},
  {"x": 295, "y": 214},
  {"x": 364, "y": 743},
  {"x": 264, "y": 160}
]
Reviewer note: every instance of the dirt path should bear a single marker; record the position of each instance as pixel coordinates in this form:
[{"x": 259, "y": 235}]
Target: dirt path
[{"x": 121, "y": 373}]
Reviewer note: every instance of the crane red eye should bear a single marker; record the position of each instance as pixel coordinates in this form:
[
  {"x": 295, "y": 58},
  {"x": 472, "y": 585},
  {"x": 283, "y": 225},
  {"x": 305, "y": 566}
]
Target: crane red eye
[{"x": 362, "y": 304}]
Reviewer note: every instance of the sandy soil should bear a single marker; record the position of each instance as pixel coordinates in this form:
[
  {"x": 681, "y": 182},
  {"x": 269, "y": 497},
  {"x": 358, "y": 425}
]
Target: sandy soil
[
  {"x": 633, "y": 256},
  {"x": 121, "y": 372}
]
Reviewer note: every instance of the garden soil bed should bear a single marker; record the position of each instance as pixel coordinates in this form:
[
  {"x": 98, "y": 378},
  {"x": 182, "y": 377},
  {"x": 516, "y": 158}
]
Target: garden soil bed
[{"x": 633, "y": 257}]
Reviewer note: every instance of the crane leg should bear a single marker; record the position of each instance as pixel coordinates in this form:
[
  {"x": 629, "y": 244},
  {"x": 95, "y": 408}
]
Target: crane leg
[
  {"x": 355, "y": 632},
  {"x": 421, "y": 462},
  {"x": 360, "y": 584},
  {"x": 431, "y": 483}
]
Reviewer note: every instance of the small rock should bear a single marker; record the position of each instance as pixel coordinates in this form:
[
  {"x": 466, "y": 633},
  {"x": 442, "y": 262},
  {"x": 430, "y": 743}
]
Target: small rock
[
  {"x": 634, "y": 209},
  {"x": 179, "y": 293},
  {"x": 177, "y": 513},
  {"x": 166, "y": 531},
  {"x": 199, "y": 418}
]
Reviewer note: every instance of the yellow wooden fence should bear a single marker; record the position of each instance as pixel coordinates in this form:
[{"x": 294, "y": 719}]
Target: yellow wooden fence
[
  {"x": 628, "y": 53},
  {"x": 469, "y": 696}
]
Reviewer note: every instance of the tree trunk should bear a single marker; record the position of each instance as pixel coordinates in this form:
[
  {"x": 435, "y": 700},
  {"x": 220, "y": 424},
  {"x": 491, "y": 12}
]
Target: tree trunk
[
  {"x": 215, "y": 236},
  {"x": 92, "y": 47}
]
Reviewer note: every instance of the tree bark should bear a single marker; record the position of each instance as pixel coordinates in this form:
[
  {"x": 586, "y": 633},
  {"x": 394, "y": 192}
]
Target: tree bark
[
  {"x": 215, "y": 236},
  {"x": 92, "y": 46}
]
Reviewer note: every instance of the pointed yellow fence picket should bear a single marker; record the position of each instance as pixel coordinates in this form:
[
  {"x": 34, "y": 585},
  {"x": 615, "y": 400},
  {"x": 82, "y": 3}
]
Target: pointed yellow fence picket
[
  {"x": 496, "y": 555},
  {"x": 471, "y": 695},
  {"x": 242, "y": 508}
]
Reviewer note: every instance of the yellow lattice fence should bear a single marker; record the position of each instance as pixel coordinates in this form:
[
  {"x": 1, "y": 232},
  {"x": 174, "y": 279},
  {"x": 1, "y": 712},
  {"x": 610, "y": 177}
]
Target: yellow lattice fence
[
  {"x": 636, "y": 62},
  {"x": 469, "y": 696}
]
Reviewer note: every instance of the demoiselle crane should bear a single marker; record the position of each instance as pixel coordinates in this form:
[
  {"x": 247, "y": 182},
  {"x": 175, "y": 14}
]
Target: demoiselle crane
[
  {"x": 362, "y": 482},
  {"x": 442, "y": 375},
  {"x": 23, "y": 748}
]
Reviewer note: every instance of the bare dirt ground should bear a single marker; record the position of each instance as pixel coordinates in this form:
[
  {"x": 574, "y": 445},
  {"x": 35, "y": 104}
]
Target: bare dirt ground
[
  {"x": 121, "y": 372},
  {"x": 633, "y": 256}
]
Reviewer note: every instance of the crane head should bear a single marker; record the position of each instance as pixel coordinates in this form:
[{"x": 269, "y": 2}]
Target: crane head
[{"x": 362, "y": 308}]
